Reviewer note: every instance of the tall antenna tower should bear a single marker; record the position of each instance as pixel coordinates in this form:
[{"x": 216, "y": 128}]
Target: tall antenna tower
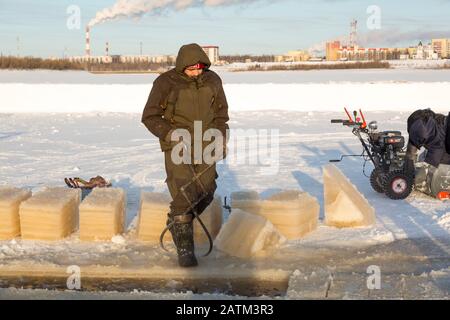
[
  {"x": 140, "y": 47},
  {"x": 18, "y": 46},
  {"x": 88, "y": 41},
  {"x": 353, "y": 32}
]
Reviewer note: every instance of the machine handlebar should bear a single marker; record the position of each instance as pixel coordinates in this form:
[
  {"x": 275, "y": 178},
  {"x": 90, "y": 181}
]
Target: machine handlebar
[{"x": 345, "y": 122}]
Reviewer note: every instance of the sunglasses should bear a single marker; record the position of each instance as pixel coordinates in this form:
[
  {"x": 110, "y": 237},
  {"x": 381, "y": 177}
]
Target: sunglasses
[{"x": 197, "y": 66}]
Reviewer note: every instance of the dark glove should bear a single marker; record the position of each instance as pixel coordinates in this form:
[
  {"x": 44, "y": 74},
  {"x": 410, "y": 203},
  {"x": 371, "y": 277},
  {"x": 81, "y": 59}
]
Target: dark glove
[{"x": 410, "y": 158}]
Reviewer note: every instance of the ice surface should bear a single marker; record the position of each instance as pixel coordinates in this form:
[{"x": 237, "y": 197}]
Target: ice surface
[
  {"x": 292, "y": 212},
  {"x": 245, "y": 235},
  {"x": 345, "y": 206},
  {"x": 252, "y": 77},
  {"x": 10, "y": 200},
  {"x": 307, "y": 141},
  {"x": 102, "y": 214},
  {"x": 51, "y": 214}
]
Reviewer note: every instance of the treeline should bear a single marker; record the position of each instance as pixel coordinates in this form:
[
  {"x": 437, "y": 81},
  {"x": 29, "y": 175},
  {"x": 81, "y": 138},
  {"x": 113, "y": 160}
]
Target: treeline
[
  {"x": 30, "y": 63},
  {"x": 27, "y": 63},
  {"x": 127, "y": 66},
  {"x": 246, "y": 57},
  {"x": 319, "y": 66}
]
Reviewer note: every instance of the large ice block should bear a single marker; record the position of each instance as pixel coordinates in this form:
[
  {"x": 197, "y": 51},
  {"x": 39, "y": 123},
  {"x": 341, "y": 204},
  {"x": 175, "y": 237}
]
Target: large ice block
[
  {"x": 153, "y": 216},
  {"x": 102, "y": 214},
  {"x": 245, "y": 235},
  {"x": 246, "y": 200},
  {"x": 345, "y": 206},
  {"x": 51, "y": 214},
  {"x": 212, "y": 219},
  {"x": 10, "y": 200},
  {"x": 153, "y": 212},
  {"x": 292, "y": 212}
]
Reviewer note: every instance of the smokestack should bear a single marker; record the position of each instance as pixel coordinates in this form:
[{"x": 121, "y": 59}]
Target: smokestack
[
  {"x": 88, "y": 41},
  {"x": 107, "y": 49}
]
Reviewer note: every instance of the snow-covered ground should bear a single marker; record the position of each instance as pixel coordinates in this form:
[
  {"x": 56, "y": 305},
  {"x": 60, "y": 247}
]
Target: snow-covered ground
[
  {"x": 410, "y": 241},
  {"x": 41, "y": 91}
]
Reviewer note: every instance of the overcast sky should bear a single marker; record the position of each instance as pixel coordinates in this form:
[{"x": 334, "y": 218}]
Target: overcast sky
[{"x": 238, "y": 27}]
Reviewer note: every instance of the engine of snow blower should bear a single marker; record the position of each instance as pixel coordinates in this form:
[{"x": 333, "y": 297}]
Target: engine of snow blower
[{"x": 386, "y": 150}]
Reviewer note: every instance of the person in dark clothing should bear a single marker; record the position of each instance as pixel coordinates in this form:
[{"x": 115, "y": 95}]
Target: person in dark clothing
[
  {"x": 188, "y": 95},
  {"x": 428, "y": 130}
]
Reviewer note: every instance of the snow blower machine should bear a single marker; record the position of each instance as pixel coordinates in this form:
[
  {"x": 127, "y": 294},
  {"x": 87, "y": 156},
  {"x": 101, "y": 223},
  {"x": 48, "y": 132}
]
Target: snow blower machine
[{"x": 386, "y": 150}]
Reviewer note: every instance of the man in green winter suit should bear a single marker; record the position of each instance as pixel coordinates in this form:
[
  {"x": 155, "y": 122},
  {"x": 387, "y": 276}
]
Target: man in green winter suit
[{"x": 182, "y": 99}]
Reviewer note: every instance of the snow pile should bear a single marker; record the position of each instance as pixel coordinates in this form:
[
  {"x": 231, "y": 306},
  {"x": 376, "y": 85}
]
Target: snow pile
[{"x": 118, "y": 239}]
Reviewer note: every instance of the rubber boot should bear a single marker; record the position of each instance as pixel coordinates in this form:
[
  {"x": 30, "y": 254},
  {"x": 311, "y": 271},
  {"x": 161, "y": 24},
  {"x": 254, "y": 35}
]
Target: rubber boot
[{"x": 183, "y": 237}]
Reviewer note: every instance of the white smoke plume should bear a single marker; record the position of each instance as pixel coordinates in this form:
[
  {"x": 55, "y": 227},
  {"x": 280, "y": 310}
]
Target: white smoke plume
[{"x": 138, "y": 8}]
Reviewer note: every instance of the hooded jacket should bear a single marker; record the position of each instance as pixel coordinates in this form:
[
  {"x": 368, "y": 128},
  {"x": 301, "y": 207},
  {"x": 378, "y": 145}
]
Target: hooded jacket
[
  {"x": 428, "y": 129},
  {"x": 176, "y": 100}
]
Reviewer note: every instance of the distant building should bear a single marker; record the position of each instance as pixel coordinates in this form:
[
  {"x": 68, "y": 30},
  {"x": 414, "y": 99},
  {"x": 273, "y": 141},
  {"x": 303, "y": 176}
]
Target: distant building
[
  {"x": 91, "y": 59},
  {"x": 124, "y": 59},
  {"x": 293, "y": 56},
  {"x": 332, "y": 50},
  {"x": 298, "y": 56},
  {"x": 426, "y": 52},
  {"x": 135, "y": 59},
  {"x": 337, "y": 52},
  {"x": 441, "y": 47},
  {"x": 420, "y": 52},
  {"x": 212, "y": 52}
]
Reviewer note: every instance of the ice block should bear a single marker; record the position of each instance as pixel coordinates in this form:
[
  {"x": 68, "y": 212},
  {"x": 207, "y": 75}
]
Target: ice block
[
  {"x": 102, "y": 214},
  {"x": 345, "y": 206},
  {"x": 246, "y": 235},
  {"x": 10, "y": 200},
  {"x": 51, "y": 214}
]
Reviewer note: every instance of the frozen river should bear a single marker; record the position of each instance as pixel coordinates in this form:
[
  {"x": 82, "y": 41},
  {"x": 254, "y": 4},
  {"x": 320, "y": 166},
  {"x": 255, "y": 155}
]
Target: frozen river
[{"x": 279, "y": 77}]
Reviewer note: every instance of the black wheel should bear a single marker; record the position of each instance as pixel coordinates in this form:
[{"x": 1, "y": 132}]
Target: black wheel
[
  {"x": 376, "y": 180},
  {"x": 397, "y": 185}
]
